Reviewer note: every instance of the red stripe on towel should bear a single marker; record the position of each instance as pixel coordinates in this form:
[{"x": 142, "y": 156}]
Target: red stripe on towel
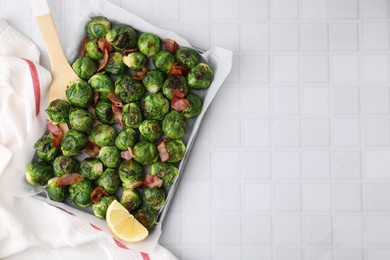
[
  {"x": 36, "y": 85},
  {"x": 145, "y": 256}
]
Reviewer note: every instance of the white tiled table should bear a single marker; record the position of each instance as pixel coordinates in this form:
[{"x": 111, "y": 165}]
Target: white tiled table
[{"x": 293, "y": 159}]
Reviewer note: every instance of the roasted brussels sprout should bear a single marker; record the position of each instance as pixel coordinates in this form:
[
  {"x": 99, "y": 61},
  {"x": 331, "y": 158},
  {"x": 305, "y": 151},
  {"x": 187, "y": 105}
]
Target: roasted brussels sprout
[
  {"x": 103, "y": 112},
  {"x": 187, "y": 57},
  {"x": 91, "y": 168},
  {"x": 65, "y": 164},
  {"x": 155, "y": 106},
  {"x": 98, "y": 27},
  {"x": 146, "y": 216},
  {"x": 58, "y": 111},
  {"x": 109, "y": 180},
  {"x": 101, "y": 84},
  {"x": 110, "y": 156},
  {"x": 128, "y": 89},
  {"x": 174, "y": 125},
  {"x": 73, "y": 142},
  {"x": 150, "y": 130},
  {"x": 81, "y": 120},
  {"x": 153, "y": 80},
  {"x": 92, "y": 50},
  {"x": 172, "y": 83},
  {"x": 100, "y": 208},
  {"x": 195, "y": 107},
  {"x": 130, "y": 199},
  {"x": 154, "y": 197},
  {"x": 115, "y": 65},
  {"x": 85, "y": 67},
  {"x": 176, "y": 150},
  {"x": 131, "y": 173},
  {"x": 122, "y": 37},
  {"x": 39, "y": 173},
  {"x": 45, "y": 148},
  {"x": 135, "y": 60},
  {"x": 166, "y": 171},
  {"x": 163, "y": 61},
  {"x": 131, "y": 115},
  {"x": 148, "y": 44},
  {"x": 80, "y": 193},
  {"x": 103, "y": 134},
  {"x": 126, "y": 138},
  {"x": 200, "y": 76},
  {"x": 145, "y": 152},
  {"x": 79, "y": 93},
  {"x": 57, "y": 193}
]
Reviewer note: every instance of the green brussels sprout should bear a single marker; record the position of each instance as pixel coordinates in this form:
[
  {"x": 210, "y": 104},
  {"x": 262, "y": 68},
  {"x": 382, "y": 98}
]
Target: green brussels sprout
[
  {"x": 85, "y": 67},
  {"x": 57, "y": 193},
  {"x": 91, "y": 168},
  {"x": 172, "y": 83},
  {"x": 131, "y": 115},
  {"x": 79, "y": 93},
  {"x": 101, "y": 84},
  {"x": 166, "y": 171},
  {"x": 100, "y": 208},
  {"x": 92, "y": 50},
  {"x": 103, "y": 111},
  {"x": 122, "y": 37},
  {"x": 155, "y": 106},
  {"x": 130, "y": 199},
  {"x": 126, "y": 138},
  {"x": 81, "y": 120},
  {"x": 109, "y": 180},
  {"x": 146, "y": 216},
  {"x": 128, "y": 89},
  {"x": 176, "y": 150},
  {"x": 98, "y": 27},
  {"x": 150, "y": 130},
  {"x": 200, "y": 76},
  {"x": 145, "y": 152},
  {"x": 148, "y": 44},
  {"x": 154, "y": 197},
  {"x": 58, "y": 111},
  {"x": 135, "y": 60},
  {"x": 110, "y": 156},
  {"x": 80, "y": 193},
  {"x": 174, "y": 125},
  {"x": 103, "y": 134},
  {"x": 39, "y": 173},
  {"x": 115, "y": 65},
  {"x": 153, "y": 80},
  {"x": 65, "y": 164},
  {"x": 163, "y": 61},
  {"x": 131, "y": 173},
  {"x": 45, "y": 148},
  {"x": 187, "y": 57},
  {"x": 73, "y": 142},
  {"x": 195, "y": 107}
]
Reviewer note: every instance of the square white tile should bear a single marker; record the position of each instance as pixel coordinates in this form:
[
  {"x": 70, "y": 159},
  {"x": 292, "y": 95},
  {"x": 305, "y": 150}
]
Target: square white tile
[
  {"x": 287, "y": 230},
  {"x": 286, "y": 165},
  {"x": 316, "y": 164},
  {"x": 285, "y": 37},
  {"x": 256, "y": 165},
  {"x": 349, "y": 230},
  {"x": 287, "y": 197},
  {"x": 318, "y": 230},
  {"x": 314, "y": 37}
]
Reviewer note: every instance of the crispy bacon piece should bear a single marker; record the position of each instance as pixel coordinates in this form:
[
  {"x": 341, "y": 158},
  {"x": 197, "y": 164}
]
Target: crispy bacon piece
[
  {"x": 117, "y": 113},
  {"x": 129, "y": 51},
  {"x": 97, "y": 193},
  {"x": 178, "y": 102},
  {"x": 114, "y": 99},
  {"x": 69, "y": 179},
  {"x": 152, "y": 181},
  {"x": 162, "y": 150},
  {"x": 103, "y": 62},
  {"x": 55, "y": 132},
  {"x": 96, "y": 96},
  {"x": 128, "y": 154},
  {"x": 92, "y": 149},
  {"x": 139, "y": 75},
  {"x": 178, "y": 70},
  {"x": 103, "y": 44},
  {"x": 83, "y": 44},
  {"x": 170, "y": 45}
]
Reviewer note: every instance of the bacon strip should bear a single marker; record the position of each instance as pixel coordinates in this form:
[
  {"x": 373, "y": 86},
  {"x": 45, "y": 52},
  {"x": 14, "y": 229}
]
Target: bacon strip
[
  {"x": 129, "y": 51},
  {"x": 96, "y": 96},
  {"x": 114, "y": 99},
  {"x": 153, "y": 181},
  {"x": 178, "y": 102},
  {"x": 128, "y": 154},
  {"x": 92, "y": 149},
  {"x": 118, "y": 114},
  {"x": 103, "y": 44},
  {"x": 69, "y": 179},
  {"x": 103, "y": 62},
  {"x": 139, "y": 75},
  {"x": 83, "y": 45},
  {"x": 170, "y": 45},
  {"x": 55, "y": 132},
  {"x": 178, "y": 70},
  {"x": 162, "y": 150},
  {"x": 97, "y": 193}
]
